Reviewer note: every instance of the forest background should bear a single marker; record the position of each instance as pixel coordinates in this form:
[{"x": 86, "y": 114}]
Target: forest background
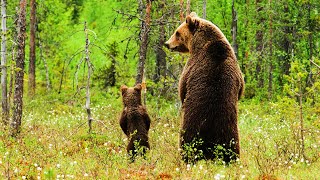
[{"x": 84, "y": 50}]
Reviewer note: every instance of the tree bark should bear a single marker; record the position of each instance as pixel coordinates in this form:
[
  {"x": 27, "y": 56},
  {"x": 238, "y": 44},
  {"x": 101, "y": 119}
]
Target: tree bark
[
  {"x": 181, "y": 12},
  {"x": 4, "y": 103},
  {"x": 234, "y": 29},
  {"x": 144, "y": 37},
  {"x": 160, "y": 54},
  {"x": 32, "y": 60},
  {"x": 88, "y": 109},
  {"x": 204, "y": 9},
  {"x": 188, "y": 7},
  {"x": 18, "y": 92}
]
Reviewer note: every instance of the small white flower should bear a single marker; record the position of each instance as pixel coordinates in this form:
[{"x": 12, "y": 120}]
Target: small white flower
[
  {"x": 24, "y": 177},
  {"x": 58, "y": 165},
  {"x": 86, "y": 175},
  {"x": 16, "y": 170},
  {"x": 39, "y": 168},
  {"x": 188, "y": 167},
  {"x": 217, "y": 176},
  {"x": 177, "y": 169},
  {"x": 200, "y": 167}
]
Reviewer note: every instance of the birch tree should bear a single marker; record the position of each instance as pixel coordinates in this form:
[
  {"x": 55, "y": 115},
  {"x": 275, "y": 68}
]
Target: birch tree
[{"x": 5, "y": 108}]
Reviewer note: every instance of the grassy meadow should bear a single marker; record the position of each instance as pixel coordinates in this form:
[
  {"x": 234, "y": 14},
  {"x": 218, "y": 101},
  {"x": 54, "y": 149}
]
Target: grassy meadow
[{"x": 54, "y": 143}]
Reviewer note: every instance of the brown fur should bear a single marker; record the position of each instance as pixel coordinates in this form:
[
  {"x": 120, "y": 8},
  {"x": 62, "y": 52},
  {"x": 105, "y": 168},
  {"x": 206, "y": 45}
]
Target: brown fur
[
  {"x": 209, "y": 88},
  {"x": 134, "y": 121}
]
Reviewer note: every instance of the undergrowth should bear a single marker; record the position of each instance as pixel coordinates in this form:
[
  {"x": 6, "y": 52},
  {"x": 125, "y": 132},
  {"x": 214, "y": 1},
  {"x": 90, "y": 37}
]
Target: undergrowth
[{"x": 54, "y": 143}]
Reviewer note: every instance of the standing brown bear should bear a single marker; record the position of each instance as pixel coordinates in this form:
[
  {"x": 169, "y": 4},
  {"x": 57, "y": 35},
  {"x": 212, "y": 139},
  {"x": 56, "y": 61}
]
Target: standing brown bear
[
  {"x": 209, "y": 88},
  {"x": 134, "y": 121}
]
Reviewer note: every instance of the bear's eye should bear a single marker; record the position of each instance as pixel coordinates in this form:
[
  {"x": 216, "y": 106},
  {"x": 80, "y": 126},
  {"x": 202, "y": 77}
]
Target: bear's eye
[{"x": 177, "y": 34}]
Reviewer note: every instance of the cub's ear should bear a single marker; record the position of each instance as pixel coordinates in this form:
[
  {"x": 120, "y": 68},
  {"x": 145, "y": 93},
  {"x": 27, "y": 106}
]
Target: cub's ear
[
  {"x": 123, "y": 89},
  {"x": 192, "y": 22},
  {"x": 138, "y": 87}
]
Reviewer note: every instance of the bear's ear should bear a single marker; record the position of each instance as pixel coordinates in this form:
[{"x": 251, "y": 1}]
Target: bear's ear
[
  {"x": 138, "y": 87},
  {"x": 192, "y": 22},
  {"x": 193, "y": 14},
  {"x": 123, "y": 89}
]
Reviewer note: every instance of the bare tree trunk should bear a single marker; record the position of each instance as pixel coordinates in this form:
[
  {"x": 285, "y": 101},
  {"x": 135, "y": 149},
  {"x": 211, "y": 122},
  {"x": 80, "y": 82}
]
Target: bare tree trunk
[
  {"x": 160, "y": 54},
  {"x": 12, "y": 67},
  {"x": 32, "y": 63},
  {"x": 188, "y": 7},
  {"x": 18, "y": 92},
  {"x": 234, "y": 29},
  {"x": 88, "y": 79},
  {"x": 204, "y": 9},
  {"x": 5, "y": 107},
  {"x": 144, "y": 37},
  {"x": 181, "y": 13}
]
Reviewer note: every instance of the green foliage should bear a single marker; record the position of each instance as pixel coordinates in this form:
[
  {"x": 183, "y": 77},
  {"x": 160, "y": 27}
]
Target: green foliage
[{"x": 54, "y": 143}]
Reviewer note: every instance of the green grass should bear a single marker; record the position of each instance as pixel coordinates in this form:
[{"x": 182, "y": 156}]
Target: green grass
[{"x": 54, "y": 143}]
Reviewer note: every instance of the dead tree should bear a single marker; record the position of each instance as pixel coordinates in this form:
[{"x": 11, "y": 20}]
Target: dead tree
[
  {"x": 18, "y": 91},
  {"x": 5, "y": 107},
  {"x": 87, "y": 58},
  {"x": 144, "y": 37},
  {"x": 32, "y": 63}
]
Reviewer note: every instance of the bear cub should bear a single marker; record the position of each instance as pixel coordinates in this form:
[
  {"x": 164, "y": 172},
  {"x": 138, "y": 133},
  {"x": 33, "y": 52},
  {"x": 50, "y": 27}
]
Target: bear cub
[{"x": 135, "y": 121}]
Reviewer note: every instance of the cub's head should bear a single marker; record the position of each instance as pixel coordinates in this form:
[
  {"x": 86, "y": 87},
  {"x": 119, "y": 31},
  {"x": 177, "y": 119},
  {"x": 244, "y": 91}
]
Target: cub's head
[
  {"x": 131, "y": 96},
  {"x": 181, "y": 39}
]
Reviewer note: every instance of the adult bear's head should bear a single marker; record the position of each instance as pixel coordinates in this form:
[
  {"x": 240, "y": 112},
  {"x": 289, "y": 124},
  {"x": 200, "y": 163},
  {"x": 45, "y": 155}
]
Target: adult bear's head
[
  {"x": 181, "y": 39},
  {"x": 196, "y": 33}
]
